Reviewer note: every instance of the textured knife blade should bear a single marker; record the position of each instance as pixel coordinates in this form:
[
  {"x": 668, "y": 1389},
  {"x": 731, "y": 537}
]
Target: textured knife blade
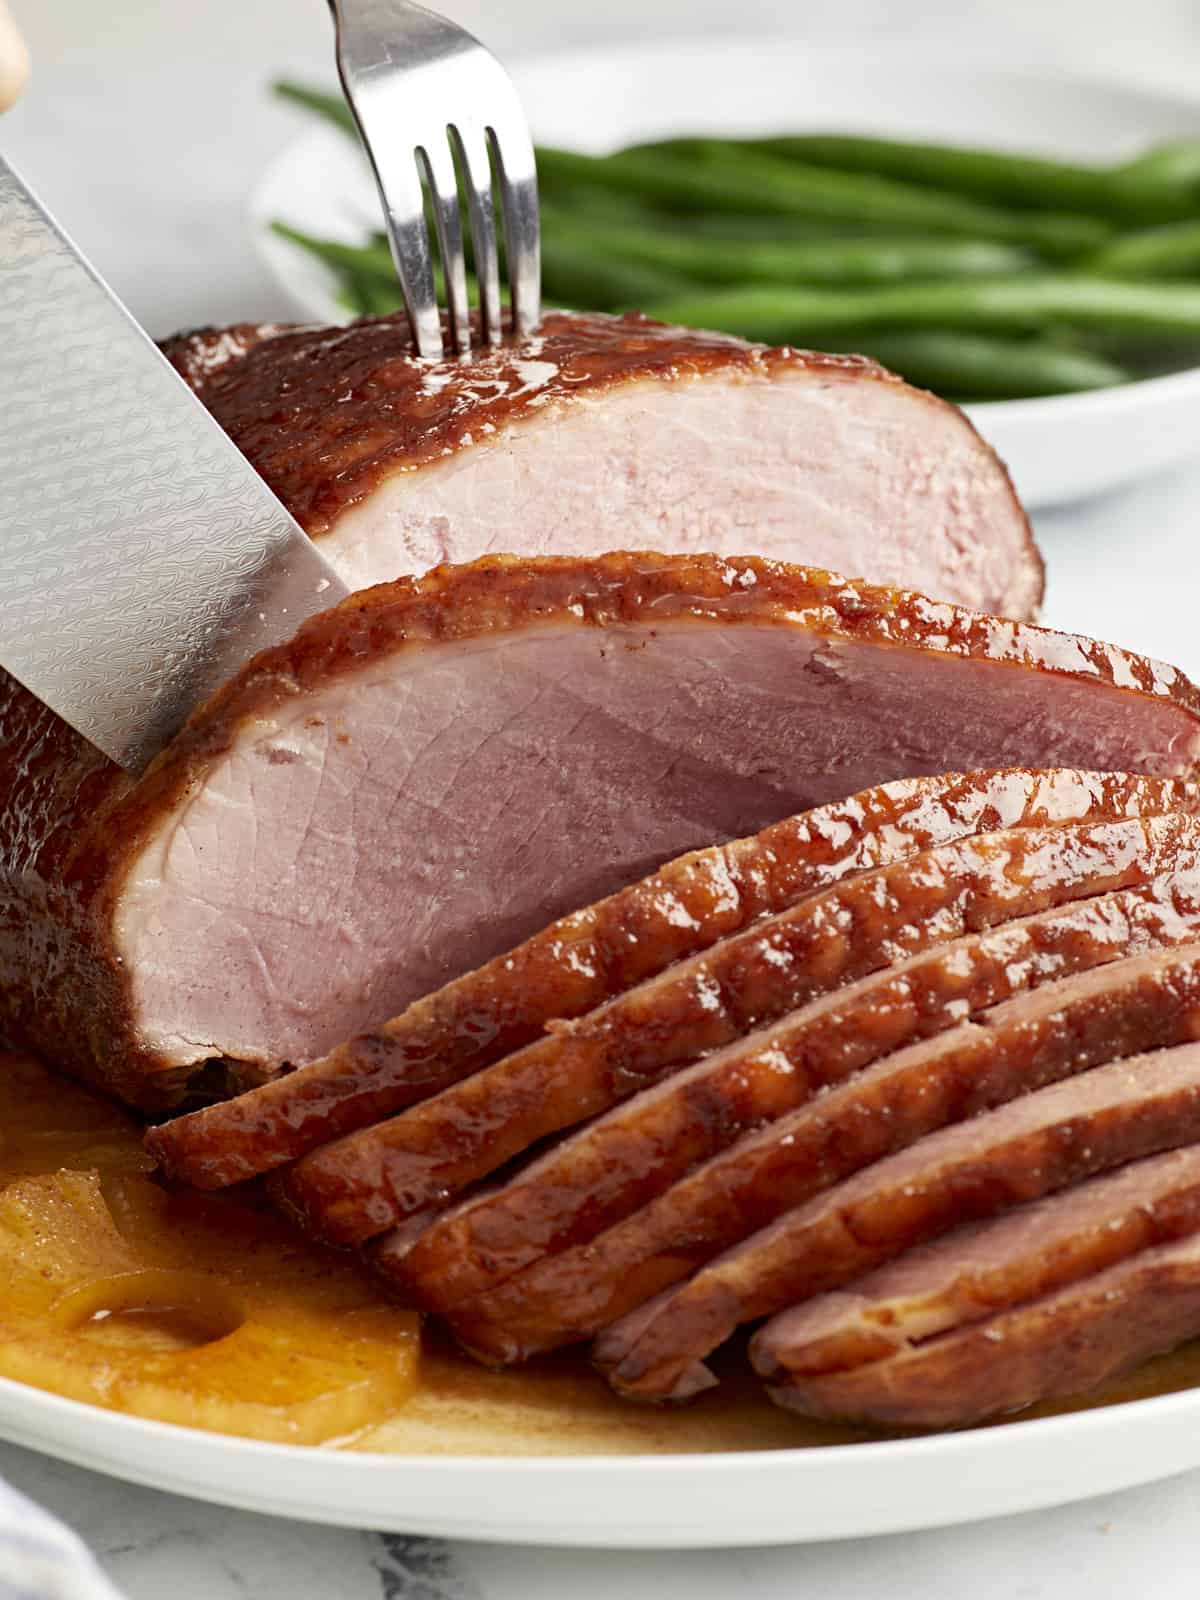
[{"x": 143, "y": 559}]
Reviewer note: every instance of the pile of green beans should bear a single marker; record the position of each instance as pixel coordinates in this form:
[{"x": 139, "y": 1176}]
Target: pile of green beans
[{"x": 978, "y": 273}]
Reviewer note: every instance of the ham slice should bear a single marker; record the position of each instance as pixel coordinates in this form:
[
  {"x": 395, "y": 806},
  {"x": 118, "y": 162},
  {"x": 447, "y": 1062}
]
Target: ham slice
[
  {"x": 431, "y": 772},
  {"x": 354, "y": 1188},
  {"x": 1021, "y": 1045},
  {"x": 622, "y": 1161},
  {"x": 1049, "y": 1302},
  {"x": 608, "y": 433},
  {"x": 1033, "y": 1146},
  {"x": 983, "y": 1268}
]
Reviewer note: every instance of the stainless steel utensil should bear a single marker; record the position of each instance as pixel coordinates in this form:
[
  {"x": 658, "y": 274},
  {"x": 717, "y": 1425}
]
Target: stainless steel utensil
[
  {"x": 142, "y": 559},
  {"x": 425, "y": 92}
]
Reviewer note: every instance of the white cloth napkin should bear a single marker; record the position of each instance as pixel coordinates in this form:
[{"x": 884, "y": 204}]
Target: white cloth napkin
[{"x": 41, "y": 1559}]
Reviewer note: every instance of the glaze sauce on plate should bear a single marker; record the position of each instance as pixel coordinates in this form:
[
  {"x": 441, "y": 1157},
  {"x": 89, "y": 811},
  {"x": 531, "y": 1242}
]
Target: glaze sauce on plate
[{"x": 207, "y": 1310}]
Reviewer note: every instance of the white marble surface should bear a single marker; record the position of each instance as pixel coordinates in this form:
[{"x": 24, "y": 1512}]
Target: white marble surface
[
  {"x": 156, "y": 1547},
  {"x": 145, "y": 127}
]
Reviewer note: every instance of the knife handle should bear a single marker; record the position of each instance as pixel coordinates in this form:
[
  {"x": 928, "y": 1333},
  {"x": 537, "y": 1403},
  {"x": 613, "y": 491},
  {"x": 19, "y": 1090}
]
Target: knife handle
[{"x": 14, "y": 59}]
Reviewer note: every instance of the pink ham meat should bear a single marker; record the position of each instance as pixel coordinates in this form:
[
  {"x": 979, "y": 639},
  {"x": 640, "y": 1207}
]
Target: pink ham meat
[
  {"x": 357, "y": 1186},
  {"x": 1019, "y": 1046},
  {"x": 1048, "y": 1301},
  {"x": 609, "y": 433},
  {"x": 983, "y": 1268},
  {"x": 348, "y": 1191},
  {"x": 591, "y": 956},
  {"x": 615, "y": 1165},
  {"x": 428, "y": 774},
  {"x": 433, "y": 771},
  {"x": 1038, "y": 1144}
]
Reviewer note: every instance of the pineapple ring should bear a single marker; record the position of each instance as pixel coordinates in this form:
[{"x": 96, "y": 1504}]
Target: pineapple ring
[{"x": 206, "y": 1311}]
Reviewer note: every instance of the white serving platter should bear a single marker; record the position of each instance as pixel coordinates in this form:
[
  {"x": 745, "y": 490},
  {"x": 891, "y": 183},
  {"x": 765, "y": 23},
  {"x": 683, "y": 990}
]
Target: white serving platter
[
  {"x": 1058, "y": 449},
  {"x": 1122, "y": 570},
  {"x": 767, "y": 1497}
]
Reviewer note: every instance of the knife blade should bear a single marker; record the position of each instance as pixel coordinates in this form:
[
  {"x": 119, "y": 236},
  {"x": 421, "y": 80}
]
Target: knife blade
[{"x": 142, "y": 559}]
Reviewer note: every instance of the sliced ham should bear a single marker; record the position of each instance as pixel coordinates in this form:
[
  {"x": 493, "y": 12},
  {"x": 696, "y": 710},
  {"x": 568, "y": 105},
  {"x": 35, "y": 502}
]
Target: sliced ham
[
  {"x": 1031, "y": 1147},
  {"x": 1038, "y": 1038},
  {"x": 1060, "y": 1343},
  {"x": 350, "y": 1190},
  {"x": 984, "y": 1268},
  {"x": 590, "y": 956},
  {"x": 608, "y": 433},
  {"x": 432, "y": 771},
  {"x": 622, "y": 1161}
]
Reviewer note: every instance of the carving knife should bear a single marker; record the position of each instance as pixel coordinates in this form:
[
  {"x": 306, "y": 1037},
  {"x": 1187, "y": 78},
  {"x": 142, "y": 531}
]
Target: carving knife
[{"x": 142, "y": 559}]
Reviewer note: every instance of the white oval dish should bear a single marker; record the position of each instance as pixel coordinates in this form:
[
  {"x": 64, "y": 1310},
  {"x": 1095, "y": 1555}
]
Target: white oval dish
[
  {"x": 1058, "y": 449},
  {"x": 636, "y": 1502},
  {"x": 744, "y": 1498}
]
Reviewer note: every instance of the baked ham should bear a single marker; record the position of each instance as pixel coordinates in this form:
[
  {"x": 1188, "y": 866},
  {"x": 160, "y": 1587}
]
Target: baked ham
[
  {"x": 1064, "y": 1344},
  {"x": 1037, "y": 1038},
  {"x": 350, "y": 1190},
  {"x": 614, "y": 433},
  {"x": 1032, "y": 1146},
  {"x": 620, "y": 1162},
  {"x": 594, "y": 955},
  {"x": 429, "y": 773},
  {"x": 1048, "y": 1300}
]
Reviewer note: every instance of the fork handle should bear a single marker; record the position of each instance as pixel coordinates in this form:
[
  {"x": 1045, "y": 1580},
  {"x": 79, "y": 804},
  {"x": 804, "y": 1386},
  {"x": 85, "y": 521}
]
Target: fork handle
[{"x": 14, "y": 59}]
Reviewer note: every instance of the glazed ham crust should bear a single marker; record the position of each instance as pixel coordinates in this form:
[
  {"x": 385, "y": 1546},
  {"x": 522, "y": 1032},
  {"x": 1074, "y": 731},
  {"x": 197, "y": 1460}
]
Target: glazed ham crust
[
  {"x": 603, "y": 433},
  {"x": 613, "y": 1166},
  {"x": 595, "y": 954},
  {"x": 1023, "y": 1044},
  {"x": 326, "y": 413},
  {"x": 348, "y": 1191},
  {"x": 146, "y": 932}
]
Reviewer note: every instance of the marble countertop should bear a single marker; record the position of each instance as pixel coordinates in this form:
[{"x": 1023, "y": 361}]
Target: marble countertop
[
  {"x": 153, "y": 1546},
  {"x": 145, "y": 127}
]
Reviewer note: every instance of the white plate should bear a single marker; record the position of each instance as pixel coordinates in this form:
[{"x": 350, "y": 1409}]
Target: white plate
[
  {"x": 1058, "y": 449},
  {"x": 630, "y": 1502},
  {"x": 773, "y": 1496}
]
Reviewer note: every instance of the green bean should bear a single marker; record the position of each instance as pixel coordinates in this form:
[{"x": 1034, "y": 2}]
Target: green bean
[
  {"x": 1000, "y": 305},
  {"x": 1172, "y": 251},
  {"x": 580, "y": 275},
  {"x": 372, "y": 261},
  {"x": 998, "y": 176},
  {"x": 991, "y": 369},
  {"x": 330, "y": 106},
  {"x": 847, "y": 261},
  {"x": 741, "y": 182},
  {"x": 1173, "y": 164}
]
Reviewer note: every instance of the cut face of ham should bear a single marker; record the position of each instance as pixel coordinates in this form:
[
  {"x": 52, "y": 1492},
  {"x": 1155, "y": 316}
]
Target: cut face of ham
[
  {"x": 428, "y": 774},
  {"x": 608, "y": 433},
  {"x": 357, "y": 1186},
  {"x": 615, "y": 1165},
  {"x": 592, "y": 956},
  {"x": 1048, "y": 1301},
  {"x": 984, "y": 1268}
]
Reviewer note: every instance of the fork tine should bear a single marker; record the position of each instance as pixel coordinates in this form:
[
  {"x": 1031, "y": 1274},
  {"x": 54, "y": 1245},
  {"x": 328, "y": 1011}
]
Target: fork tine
[
  {"x": 445, "y": 71},
  {"x": 519, "y": 190},
  {"x": 403, "y": 198},
  {"x": 477, "y": 172},
  {"x": 443, "y": 183}
]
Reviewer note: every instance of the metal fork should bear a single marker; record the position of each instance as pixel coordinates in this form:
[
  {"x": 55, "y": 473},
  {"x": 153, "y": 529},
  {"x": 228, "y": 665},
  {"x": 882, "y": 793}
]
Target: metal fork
[{"x": 428, "y": 97}]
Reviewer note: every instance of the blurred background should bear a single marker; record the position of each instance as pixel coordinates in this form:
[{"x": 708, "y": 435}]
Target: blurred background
[{"x": 147, "y": 122}]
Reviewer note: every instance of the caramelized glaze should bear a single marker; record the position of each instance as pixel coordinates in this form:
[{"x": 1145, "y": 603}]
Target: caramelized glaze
[
  {"x": 325, "y": 414},
  {"x": 192, "y": 1309},
  {"x": 72, "y": 826},
  {"x": 49, "y": 1128}
]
